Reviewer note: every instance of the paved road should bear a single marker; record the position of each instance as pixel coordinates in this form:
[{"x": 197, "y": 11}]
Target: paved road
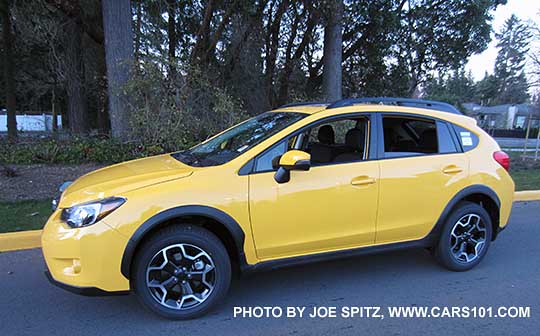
[
  {"x": 516, "y": 142},
  {"x": 509, "y": 276}
]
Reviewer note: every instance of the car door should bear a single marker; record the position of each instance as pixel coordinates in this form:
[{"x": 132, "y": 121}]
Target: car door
[
  {"x": 332, "y": 206},
  {"x": 422, "y": 168}
]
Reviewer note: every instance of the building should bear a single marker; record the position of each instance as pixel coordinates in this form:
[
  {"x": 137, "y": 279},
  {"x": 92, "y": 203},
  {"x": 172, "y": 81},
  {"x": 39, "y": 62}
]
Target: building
[
  {"x": 507, "y": 116},
  {"x": 36, "y": 121}
]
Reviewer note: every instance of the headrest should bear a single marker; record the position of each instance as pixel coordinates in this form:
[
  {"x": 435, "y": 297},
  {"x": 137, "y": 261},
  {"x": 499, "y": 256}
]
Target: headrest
[
  {"x": 326, "y": 135},
  {"x": 355, "y": 139}
]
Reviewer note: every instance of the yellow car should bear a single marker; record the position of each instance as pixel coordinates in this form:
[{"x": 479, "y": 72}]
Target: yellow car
[{"x": 304, "y": 182}]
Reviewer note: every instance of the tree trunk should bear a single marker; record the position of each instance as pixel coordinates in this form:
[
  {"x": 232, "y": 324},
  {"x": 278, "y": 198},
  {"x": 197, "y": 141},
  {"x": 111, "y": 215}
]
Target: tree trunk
[
  {"x": 8, "y": 71},
  {"x": 171, "y": 32},
  {"x": 138, "y": 33},
  {"x": 54, "y": 111},
  {"x": 119, "y": 59},
  {"x": 77, "y": 108},
  {"x": 333, "y": 37}
]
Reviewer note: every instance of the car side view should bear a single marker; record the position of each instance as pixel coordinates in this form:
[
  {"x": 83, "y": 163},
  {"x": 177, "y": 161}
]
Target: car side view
[{"x": 304, "y": 182}]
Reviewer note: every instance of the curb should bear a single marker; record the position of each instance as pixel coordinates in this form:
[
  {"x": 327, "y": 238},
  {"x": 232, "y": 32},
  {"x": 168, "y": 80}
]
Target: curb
[
  {"x": 23, "y": 240},
  {"x": 13, "y": 241},
  {"x": 527, "y": 195}
]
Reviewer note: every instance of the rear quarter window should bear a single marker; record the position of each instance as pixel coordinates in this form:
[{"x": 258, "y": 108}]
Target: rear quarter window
[{"x": 466, "y": 138}]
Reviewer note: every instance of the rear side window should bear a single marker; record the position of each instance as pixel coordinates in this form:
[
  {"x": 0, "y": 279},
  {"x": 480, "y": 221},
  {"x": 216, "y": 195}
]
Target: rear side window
[
  {"x": 467, "y": 139},
  {"x": 446, "y": 141},
  {"x": 407, "y": 136}
]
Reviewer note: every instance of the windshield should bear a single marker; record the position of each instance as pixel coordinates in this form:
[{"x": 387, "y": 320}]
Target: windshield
[{"x": 238, "y": 139}]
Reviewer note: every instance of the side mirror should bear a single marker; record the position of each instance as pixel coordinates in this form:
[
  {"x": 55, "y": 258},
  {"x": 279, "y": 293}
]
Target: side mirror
[{"x": 292, "y": 160}]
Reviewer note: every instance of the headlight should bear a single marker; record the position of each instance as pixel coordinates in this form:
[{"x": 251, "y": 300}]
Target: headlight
[{"x": 90, "y": 213}]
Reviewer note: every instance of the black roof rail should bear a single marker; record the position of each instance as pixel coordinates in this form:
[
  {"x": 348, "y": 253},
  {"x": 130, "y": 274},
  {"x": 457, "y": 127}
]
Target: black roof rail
[
  {"x": 407, "y": 102},
  {"x": 305, "y": 104}
]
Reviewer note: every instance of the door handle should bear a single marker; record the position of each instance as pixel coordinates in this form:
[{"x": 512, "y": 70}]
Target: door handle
[
  {"x": 452, "y": 170},
  {"x": 362, "y": 180}
]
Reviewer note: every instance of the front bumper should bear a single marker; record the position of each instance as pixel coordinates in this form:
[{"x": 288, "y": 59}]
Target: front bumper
[
  {"x": 84, "y": 259},
  {"x": 86, "y": 291}
]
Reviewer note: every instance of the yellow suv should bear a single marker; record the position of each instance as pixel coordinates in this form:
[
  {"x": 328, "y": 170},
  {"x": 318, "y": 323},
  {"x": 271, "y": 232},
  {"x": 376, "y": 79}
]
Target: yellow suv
[{"x": 304, "y": 182}]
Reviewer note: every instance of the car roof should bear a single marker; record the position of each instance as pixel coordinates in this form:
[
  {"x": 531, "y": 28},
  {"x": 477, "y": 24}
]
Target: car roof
[
  {"x": 394, "y": 101},
  {"x": 369, "y": 105}
]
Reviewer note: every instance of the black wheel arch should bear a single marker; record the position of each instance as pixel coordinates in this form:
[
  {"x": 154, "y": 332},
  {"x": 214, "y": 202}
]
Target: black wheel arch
[
  {"x": 225, "y": 227},
  {"x": 478, "y": 193}
]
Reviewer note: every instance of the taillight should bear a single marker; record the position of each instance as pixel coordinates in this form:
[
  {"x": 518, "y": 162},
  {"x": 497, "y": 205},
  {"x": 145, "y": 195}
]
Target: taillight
[{"x": 503, "y": 159}]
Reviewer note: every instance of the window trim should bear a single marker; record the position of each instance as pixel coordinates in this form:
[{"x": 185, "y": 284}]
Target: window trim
[
  {"x": 249, "y": 167},
  {"x": 380, "y": 131}
]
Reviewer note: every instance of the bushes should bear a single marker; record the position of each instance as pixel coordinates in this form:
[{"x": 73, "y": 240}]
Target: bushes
[
  {"x": 74, "y": 151},
  {"x": 166, "y": 115},
  {"x": 174, "y": 112}
]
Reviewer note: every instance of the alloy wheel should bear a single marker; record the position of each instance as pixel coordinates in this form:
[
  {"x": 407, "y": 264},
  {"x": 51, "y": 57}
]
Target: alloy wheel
[
  {"x": 468, "y": 238},
  {"x": 181, "y": 276}
]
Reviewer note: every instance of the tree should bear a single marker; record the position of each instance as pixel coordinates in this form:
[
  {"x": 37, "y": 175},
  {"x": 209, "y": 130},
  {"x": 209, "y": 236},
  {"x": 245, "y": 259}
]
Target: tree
[
  {"x": 333, "y": 37},
  {"x": 119, "y": 57},
  {"x": 513, "y": 44},
  {"x": 486, "y": 90},
  {"x": 456, "y": 87},
  {"x": 8, "y": 70},
  {"x": 443, "y": 34},
  {"x": 171, "y": 32}
]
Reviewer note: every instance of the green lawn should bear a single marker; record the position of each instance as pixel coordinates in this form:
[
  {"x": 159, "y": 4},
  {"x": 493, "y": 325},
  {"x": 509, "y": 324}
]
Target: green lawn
[
  {"x": 24, "y": 215},
  {"x": 526, "y": 173},
  {"x": 526, "y": 179}
]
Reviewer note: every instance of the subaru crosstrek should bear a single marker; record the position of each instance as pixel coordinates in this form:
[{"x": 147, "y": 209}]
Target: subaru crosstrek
[{"x": 301, "y": 183}]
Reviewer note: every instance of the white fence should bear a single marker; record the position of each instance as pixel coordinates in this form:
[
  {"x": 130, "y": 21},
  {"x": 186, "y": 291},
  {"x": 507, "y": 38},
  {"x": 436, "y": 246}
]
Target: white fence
[{"x": 25, "y": 122}]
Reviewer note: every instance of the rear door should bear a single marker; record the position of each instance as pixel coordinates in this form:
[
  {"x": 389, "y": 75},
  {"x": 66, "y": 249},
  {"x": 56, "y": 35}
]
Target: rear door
[{"x": 422, "y": 168}]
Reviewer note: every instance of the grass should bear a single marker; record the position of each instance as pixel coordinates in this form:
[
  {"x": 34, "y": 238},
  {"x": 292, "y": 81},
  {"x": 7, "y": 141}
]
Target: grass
[
  {"x": 526, "y": 179},
  {"x": 24, "y": 215},
  {"x": 526, "y": 173}
]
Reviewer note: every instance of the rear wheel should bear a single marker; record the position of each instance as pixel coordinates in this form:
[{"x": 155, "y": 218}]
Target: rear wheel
[
  {"x": 465, "y": 238},
  {"x": 182, "y": 272}
]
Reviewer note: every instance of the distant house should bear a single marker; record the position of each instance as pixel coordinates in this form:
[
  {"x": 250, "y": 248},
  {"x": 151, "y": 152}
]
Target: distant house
[
  {"x": 507, "y": 116},
  {"x": 30, "y": 121}
]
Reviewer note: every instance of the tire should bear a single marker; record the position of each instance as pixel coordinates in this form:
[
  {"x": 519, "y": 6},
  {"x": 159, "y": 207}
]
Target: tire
[
  {"x": 180, "y": 287},
  {"x": 460, "y": 245}
]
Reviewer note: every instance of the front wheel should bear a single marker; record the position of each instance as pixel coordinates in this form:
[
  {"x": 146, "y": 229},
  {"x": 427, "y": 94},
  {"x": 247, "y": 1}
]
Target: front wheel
[
  {"x": 182, "y": 272},
  {"x": 465, "y": 238}
]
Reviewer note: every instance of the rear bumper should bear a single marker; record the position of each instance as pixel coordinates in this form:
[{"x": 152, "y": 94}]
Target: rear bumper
[{"x": 85, "y": 291}]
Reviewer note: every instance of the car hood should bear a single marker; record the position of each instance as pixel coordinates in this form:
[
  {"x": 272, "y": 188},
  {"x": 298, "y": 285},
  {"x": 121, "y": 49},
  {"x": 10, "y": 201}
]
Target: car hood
[{"x": 123, "y": 177}]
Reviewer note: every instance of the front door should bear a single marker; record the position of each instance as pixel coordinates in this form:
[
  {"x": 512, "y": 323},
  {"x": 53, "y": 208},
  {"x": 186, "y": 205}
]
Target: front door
[{"x": 332, "y": 206}]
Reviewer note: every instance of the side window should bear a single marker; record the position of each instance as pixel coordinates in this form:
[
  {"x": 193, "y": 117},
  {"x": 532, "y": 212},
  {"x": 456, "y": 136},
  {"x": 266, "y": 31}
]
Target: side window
[
  {"x": 406, "y": 136},
  {"x": 266, "y": 161},
  {"x": 337, "y": 141},
  {"x": 468, "y": 139},
  {"x": 446, "y": 142}
]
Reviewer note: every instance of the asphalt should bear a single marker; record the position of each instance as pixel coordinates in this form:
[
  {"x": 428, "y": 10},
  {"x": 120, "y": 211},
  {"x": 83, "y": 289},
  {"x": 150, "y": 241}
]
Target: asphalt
[
  {"x": 508, "y": 276},
  {"x": 516, "y": 142}
]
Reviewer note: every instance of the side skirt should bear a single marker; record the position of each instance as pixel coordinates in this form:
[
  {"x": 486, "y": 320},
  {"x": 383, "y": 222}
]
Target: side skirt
[{"x": 428, "y": 241}]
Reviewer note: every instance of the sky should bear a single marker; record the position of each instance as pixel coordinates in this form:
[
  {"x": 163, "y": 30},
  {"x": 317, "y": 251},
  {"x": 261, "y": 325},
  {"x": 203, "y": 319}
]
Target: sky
[{"x": 525, "y": 10}]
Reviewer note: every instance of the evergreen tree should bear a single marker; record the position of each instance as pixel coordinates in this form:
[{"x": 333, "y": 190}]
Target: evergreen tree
[
  {"x": 456, "y": 87},
  {"x": 486, "y": 90},
  {"x": 513, "y": 45}
]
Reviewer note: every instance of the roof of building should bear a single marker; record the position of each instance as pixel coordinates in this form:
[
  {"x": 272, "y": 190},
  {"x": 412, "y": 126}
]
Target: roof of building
[{"x": 522, "y": 109}]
